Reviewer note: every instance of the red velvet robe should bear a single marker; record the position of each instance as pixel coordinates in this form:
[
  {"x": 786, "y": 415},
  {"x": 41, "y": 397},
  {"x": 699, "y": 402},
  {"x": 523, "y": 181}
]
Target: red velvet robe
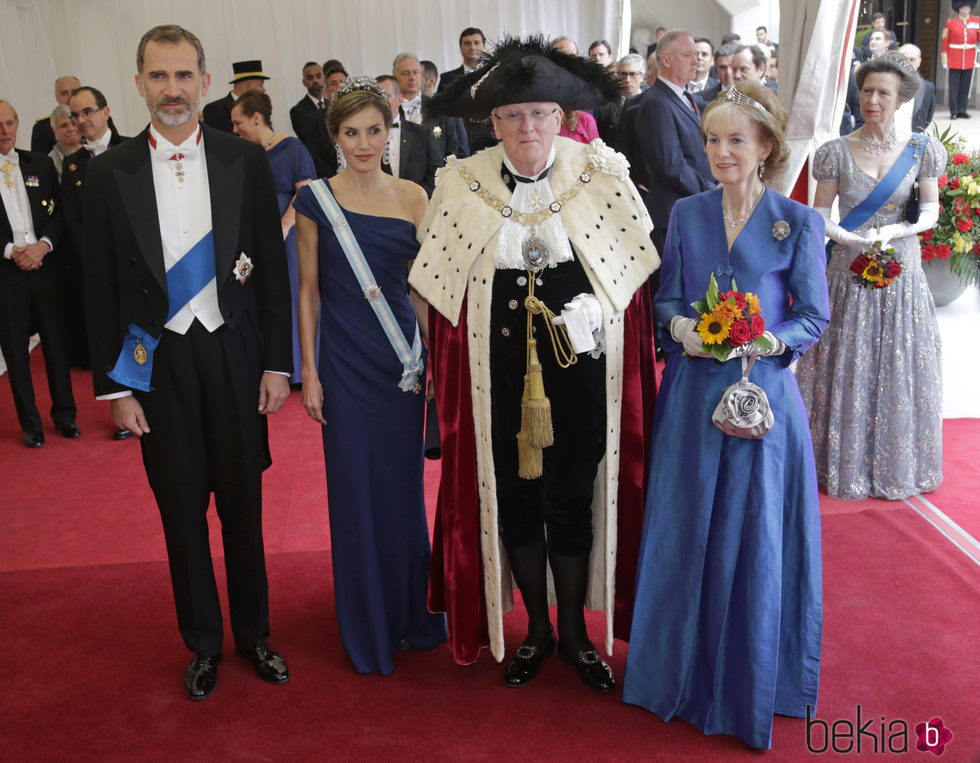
[{"x": 456, "y": 573}]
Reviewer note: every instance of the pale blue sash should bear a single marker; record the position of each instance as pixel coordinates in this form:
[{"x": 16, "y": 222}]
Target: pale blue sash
[{"x": 411, "y": 358}]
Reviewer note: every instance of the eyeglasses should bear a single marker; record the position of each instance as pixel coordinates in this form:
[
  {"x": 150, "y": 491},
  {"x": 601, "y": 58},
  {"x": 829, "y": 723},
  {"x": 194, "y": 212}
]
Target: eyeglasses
[
  {"x": 86, "y": 112},
  {"x": 623, "y": 75},
  {"x": 537, "y": 116}
]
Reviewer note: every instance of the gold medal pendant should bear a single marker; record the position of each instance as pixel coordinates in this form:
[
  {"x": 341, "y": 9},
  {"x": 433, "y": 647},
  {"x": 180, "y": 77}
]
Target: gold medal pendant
[{"x": 139, "y": 354}]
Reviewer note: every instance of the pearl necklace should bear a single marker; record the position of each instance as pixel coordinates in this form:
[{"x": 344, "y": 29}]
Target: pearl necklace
[
  {"x": 873, "y": 147},
  {"x": 746, "y": 216}
]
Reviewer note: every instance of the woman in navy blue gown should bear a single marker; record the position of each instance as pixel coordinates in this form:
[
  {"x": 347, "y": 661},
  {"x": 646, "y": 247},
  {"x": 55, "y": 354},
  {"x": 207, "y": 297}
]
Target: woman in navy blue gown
[
  {"x": 292, "y": 168},
  {"x": 372, "y": 427},
  {"x": 727, "y": 619}
]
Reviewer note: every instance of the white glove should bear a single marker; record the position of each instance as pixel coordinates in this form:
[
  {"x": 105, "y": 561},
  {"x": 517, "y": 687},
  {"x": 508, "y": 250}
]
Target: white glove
[
  {"x": 928, "y": 215},
  {"x": 778, "y": 348},
  {"x": 685, "y": 332},
  {"x": 842, "y": 235},
  {"x": 582, "y": 319}
]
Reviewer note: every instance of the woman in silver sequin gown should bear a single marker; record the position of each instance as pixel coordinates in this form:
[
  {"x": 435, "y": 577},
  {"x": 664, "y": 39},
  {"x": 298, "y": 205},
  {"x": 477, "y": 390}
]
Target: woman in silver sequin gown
[{"x": 872, "y": 385}]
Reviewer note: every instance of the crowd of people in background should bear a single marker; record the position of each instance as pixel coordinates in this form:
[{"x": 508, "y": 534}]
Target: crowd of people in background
[{"x": 213, "y": 260}]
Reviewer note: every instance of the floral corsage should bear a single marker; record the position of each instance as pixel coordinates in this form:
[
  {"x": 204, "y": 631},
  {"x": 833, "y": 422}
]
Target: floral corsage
[
  {"x": 876, "y": 267},
  {"x": 729, "y": 319}
]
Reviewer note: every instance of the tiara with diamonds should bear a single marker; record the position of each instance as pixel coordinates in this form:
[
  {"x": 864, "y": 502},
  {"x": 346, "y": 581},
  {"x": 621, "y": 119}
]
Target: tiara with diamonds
[
  {"x": 736, "y": 96},
  {"x": 361, "y": 82}
]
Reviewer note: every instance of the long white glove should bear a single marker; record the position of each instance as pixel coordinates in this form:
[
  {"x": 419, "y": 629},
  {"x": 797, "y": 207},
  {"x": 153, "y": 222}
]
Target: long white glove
[
  {"x": 842, "y": 235},
  {"x": 685, "y": 331},
  {"x": 582, "y": 319},
  {"x": 778, "y": 348},
  {"x": 928, "y": 215}
]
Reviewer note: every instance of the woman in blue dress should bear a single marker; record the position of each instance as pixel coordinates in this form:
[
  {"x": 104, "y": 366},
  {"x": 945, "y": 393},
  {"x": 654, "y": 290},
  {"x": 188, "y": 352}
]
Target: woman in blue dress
[
  {"x": 727, "y": 619},
  {"x": 292, "y": 168},
  {"x": 365, "y": 394}
]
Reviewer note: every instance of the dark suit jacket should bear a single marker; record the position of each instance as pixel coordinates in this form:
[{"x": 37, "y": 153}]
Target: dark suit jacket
[
  {"x": 708, "y": 93},
  {"x": 217, "y": 114},
  {"x": 925, "y": 106},
  {"x": 125, "y": 275},
  {"x": 42, "y": 136},
  {"x": 320, "y": 145},
  {"x": 299, "y": 115},
  {"x": 449, "y": 132},
  {"x": 74, "y": 169},
  {"x": 448, "y": 77},
  {"x": 670, "y": 143},
  {"x": 418, "y": 157},
  {"x": 626, "y": 142},
  {"x": 45, "y": 205}
]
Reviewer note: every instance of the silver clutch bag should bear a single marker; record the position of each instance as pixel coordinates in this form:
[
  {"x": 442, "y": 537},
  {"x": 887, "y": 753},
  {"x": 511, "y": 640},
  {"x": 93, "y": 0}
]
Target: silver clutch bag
[{"x": 743, "y": 410}]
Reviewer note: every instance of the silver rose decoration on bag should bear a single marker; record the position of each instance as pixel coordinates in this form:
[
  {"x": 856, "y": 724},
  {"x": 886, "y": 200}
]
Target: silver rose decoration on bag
[{"x": 743, "y": 410}]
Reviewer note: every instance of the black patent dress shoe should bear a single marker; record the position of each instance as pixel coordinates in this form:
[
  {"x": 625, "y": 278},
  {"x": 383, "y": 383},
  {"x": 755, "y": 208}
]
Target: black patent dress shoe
[
  {"x": 526, "y": 663},
  {"x": 953, "y": 116},
  {"x": 592, "y": 669},
  {"x": 269, "y": 665},
  {"x": 963, "y": 115},
  {"x": 34, "y": 439},
  {"x": 201, "y": 677},
  {"x": 121, "y": 434},
  {"x": 69, "y": 430}
]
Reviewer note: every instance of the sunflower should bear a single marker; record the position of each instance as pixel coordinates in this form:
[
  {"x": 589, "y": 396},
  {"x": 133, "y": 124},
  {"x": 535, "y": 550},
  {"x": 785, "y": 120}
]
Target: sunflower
[
  {"x": 714, "y": 326},
  {"x": 873, "y": 272}
]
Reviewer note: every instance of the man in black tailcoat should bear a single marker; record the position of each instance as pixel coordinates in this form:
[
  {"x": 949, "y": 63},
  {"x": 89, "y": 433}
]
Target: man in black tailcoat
[
  {"x": 188, "y": 306},
  {"x": 31, "y": 226},
  {"x": 248, "y": 76}
]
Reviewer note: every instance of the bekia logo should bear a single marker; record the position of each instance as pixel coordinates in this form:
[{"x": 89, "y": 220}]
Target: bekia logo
[{"x": 874, "y": 735}]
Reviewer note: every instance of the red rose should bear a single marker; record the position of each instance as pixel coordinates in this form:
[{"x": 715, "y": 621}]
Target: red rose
[
  {"x": 926, "y": 235},
  {"x": 757, "y": 326},
  {"x": 943, "y": 180},
  {"x": 954, "y": 183},
  {"x": 964, "y": 224},
  {"x": 928, "y": 252},
  {"x": 976, "y": 249},
  {"x": 943, "y": 251},
  {"x": 859, "y": 264},
  {"x": 958, "y": 205},
  {"x": 960, "y": 159},
  {"x": 740, "y": 302},
  {"x": 893, "y": 269},
  {"x": 739, "y": 333}
]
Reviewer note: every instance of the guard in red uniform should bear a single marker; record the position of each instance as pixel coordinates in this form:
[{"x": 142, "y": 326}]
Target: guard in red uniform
[{"x": 960, "y": 37}]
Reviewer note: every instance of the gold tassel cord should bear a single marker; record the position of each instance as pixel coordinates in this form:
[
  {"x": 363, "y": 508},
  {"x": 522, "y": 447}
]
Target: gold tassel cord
[{"x": 537, "y": 431}]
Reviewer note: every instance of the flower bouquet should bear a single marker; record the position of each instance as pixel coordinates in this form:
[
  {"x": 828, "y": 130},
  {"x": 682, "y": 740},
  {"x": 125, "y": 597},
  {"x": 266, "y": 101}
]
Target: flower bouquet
[
  {"x": 956, "y": 236},
  {"x": 876, "y": 268},
  {"x": 729, "y": 319}
]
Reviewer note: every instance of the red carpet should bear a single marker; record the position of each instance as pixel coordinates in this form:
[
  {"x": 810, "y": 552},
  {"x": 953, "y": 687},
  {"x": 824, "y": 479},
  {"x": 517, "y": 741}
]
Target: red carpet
[{"x": 92, "y": 661}]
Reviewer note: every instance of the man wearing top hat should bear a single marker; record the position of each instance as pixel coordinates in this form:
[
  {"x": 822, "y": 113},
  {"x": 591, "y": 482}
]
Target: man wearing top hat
[
  {"x": 248, "y": 76},
  {"x": 534, "y": 258}
]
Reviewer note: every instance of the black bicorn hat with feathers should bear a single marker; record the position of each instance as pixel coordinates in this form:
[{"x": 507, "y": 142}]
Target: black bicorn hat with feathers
[
  {"x": 527, "y": 70},
  {"x": 957, "y": 4}
]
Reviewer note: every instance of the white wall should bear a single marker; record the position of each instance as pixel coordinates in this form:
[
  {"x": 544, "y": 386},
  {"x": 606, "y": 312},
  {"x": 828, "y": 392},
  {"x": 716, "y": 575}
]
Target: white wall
[{"x": 97, "y": 39}]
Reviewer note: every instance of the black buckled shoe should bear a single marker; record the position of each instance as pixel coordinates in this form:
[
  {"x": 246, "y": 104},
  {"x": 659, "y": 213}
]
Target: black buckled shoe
[
  {"x": 69, "y": 429},
  {"x": 592, "y": 669},
  {"x": 269, "y": 665},
  {"x": 201, "y": 677},
  {"x": 34, "y": 439},
  {"x": 526, "y": 663},
  {"x": 121, "y": 434}
]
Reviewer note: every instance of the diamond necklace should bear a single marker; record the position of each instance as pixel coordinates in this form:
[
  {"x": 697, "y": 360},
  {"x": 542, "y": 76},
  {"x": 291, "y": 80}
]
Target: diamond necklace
[
  {"x": 746, "y": 216},
  {"x": 873, "y": 147}
]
